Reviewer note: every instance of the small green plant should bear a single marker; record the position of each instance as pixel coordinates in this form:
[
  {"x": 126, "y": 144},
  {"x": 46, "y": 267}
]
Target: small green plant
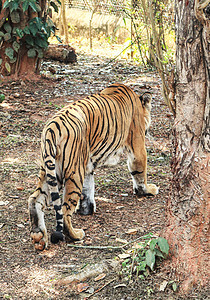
[
  {"x": 145, "y": 256},
  {"x": 2, "y": 97}
]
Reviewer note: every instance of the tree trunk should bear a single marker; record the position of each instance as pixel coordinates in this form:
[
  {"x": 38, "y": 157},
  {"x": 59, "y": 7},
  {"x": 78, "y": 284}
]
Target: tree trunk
[
  {"x": 64, "y": 22},
  {"x": 188, "y": 208},
  {"x": 19, "y": 62}
]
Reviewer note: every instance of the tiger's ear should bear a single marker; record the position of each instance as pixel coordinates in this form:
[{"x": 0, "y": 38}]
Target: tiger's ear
[{"x": 146, "y": 99}]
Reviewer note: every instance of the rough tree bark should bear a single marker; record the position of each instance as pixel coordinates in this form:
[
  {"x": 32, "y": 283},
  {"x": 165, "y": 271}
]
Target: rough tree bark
[
  {"x": 188, "y": 207},
  {"x": 24, "y": 65}
]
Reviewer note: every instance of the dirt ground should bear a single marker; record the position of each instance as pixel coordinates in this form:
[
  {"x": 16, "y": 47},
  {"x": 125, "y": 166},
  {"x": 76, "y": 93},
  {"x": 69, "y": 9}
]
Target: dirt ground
[{"x": 26, "y": 274}]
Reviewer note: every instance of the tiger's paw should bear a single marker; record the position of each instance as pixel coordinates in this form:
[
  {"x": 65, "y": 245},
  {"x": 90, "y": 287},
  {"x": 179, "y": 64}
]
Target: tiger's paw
[
  {"x": 152, "y": 189},
  {"x": 79, "y": 234},
  {"x": 148, "y": 190},
  {"x": 57, "y": 236},
  {"x": 75, "y": 235},
  {"x": 39, "y": 239}
]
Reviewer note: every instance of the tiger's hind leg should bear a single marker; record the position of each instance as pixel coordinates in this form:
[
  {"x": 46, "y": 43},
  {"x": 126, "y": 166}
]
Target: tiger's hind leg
[
  {"x": 36, "y": 204},
  {"x": 72, "y": 194},
  {"x": 87, "y": 204}
]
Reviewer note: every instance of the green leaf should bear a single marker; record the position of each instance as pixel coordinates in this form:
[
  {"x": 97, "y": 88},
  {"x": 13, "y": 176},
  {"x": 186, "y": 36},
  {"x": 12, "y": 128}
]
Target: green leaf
[
  {"x": 2, "y": 97},
  {"x": 150, "y": 258},
  {"x": 125, "y": 262},
  {"x": 13, "y": 60},
  {"x": 174, "y": 286},
  {"x": 9, "y": 52},
  {"x": 142, "y": 265},
  {"x": 40, "y": 53},
  {"x": 26, "y": 30},
  {"x": 1, "y": 34},
  {"x": 19, "y": 32},
  {"x": 6, "y": 4},
  {"x": 13, "y": 6},
  {"x": 16, "y": 46},
  {"x": 158, "y": 253},
  {"x": 38, "y": 7},
  {"x": 153, "y": 244},
  {"x": 7, "y": 36},
  {"x": 31, "y": 53},
  {"x": 7, "y": 66},
  {"x": 163, "y": 244},
  {"x": 7, "y": 27},
  {"x": 29, "y": 40},
  {"x": 15, "y": 17},
  {"x": 33, "y": 28},
  {"x": 41, "y": 43},
  {"x": 25, "y": 5},
  {"x": 34, "y": 6},
  {"x": 1, "y": 60}
]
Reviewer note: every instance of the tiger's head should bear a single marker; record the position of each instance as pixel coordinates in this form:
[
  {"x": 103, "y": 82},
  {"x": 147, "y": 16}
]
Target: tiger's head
[{"x": 146, "y": 104}]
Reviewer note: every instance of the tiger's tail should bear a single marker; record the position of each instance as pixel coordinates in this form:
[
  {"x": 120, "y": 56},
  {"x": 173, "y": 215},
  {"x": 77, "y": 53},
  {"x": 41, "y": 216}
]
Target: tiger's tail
[{"x": 49, "y": 154}]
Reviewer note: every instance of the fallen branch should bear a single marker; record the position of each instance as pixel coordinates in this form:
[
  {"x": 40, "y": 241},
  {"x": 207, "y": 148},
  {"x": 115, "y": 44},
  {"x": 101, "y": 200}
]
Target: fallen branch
[
  {"x": 101, "y": 288},
  {"x": 97, "y": 247},
  {"x": 116, "y": 248}
]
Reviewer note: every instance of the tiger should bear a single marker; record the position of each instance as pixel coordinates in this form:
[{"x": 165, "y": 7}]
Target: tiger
[{"x": 86, "y": 134}]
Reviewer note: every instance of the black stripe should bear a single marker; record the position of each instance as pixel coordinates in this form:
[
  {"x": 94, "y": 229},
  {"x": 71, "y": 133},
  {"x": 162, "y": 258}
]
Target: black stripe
[
  {"x": 136, "y": 172},
  {"x": 54, "y": 197},
  {"x": 52, "y": 180},
  {"x": 50, "y": 165},
  {"x": 41, "y": 191},
  {"x": 58, "y": 216}
]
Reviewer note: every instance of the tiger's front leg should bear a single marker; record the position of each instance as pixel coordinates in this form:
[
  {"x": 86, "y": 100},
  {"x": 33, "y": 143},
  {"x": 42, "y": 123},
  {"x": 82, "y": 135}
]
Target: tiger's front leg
[
  {"x": 137, "y": 165},
  {"x": 87, "y": 202}
]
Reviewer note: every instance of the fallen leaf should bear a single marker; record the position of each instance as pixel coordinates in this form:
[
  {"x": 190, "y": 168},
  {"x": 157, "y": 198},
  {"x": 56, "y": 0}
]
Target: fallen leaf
[
  {"x": 163, "y": 286},
  {"x": 124, "y": 255},
  {"x": 81, "y": 287},
  {"x": 121, "y": 241},
  {"x": 20, "y": 226},
  {"x": 132, "y": 231},
  {"x": 138, "y": 245},
  {"x": 119, "y": 207},
  {"x": 20, "y": 188},
  {"x": 90, "y": 290},
  {"x": 3, "y": 203},
  {"x": 120, "y": 285},
  {"x": 2, "y": 225},
  {"x": 101, "y": 276}
]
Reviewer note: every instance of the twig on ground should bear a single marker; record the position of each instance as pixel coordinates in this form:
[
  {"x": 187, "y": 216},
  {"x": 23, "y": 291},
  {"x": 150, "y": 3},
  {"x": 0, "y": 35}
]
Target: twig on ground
[
  {"x": 105, "y": 247},
  {"x": 101, "y": 288}
]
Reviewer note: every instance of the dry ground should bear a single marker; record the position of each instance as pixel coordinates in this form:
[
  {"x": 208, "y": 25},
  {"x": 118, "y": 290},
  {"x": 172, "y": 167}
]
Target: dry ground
[{"x": 26, "y": 274}]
